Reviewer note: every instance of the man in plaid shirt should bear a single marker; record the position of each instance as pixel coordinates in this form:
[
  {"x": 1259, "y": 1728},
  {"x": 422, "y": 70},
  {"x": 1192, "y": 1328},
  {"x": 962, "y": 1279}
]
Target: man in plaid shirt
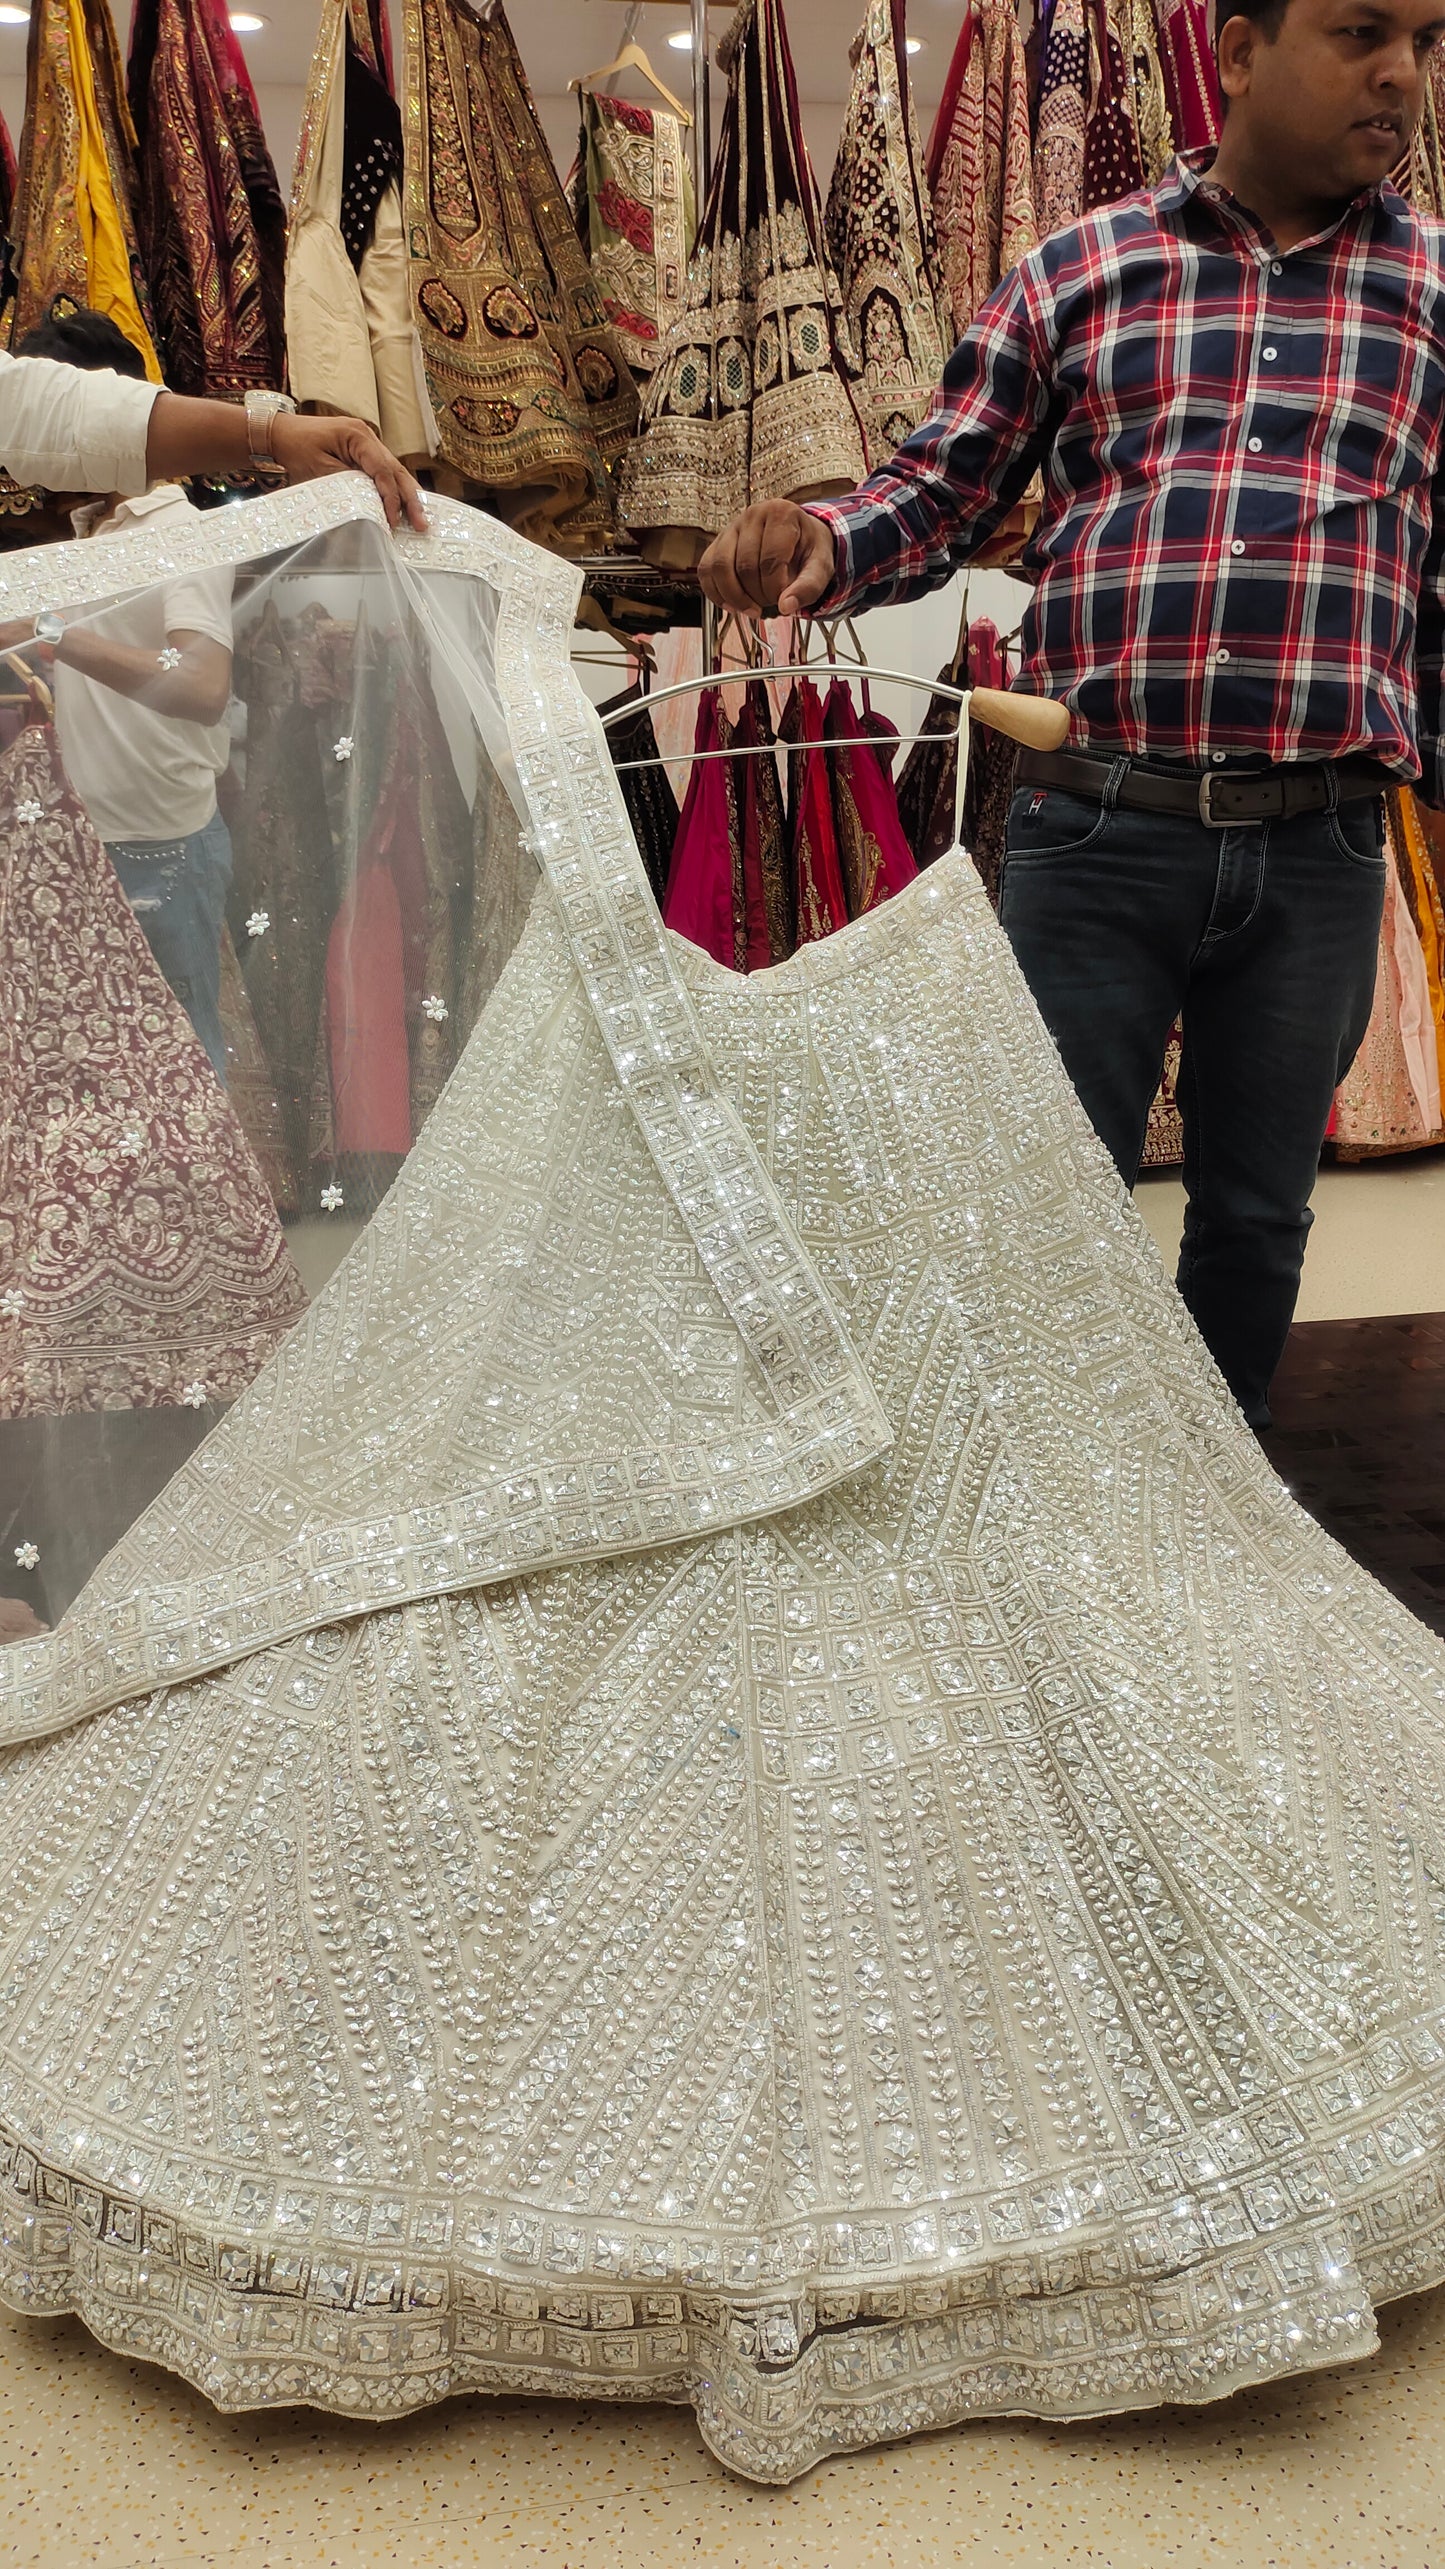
[{"x": 1235, "y": 386}]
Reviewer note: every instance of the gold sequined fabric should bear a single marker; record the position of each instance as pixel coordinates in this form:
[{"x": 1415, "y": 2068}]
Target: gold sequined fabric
[
  {"x": 754, "y": 397},
  {"x": 881, "y": 240},
  {"x": 533, "y": 397},
  {"x": 936, "y": 1920},
  {"x": 72, "y": 225},
  {"x": 636, "y": 217}
]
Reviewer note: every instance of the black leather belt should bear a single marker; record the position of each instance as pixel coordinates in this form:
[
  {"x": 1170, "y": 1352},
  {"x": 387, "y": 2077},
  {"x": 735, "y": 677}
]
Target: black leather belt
[{"x": 1220, "y": 797}]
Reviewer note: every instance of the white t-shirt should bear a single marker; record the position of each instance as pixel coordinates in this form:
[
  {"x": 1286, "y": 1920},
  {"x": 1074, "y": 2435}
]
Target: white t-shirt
[{"x": 143, "y": 775}]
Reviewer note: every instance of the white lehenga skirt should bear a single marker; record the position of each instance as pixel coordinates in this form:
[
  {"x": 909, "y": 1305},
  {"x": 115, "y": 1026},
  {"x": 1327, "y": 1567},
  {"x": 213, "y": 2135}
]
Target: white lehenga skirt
[{"x": 970, "y": 1942}]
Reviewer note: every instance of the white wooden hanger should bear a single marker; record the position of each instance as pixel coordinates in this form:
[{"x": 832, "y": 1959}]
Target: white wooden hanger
[{"x": 632, "y": 58}]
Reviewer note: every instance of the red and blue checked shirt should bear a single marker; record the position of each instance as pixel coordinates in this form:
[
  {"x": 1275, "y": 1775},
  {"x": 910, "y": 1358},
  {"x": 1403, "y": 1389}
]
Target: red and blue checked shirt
[{"x": 1243, "y": 529}]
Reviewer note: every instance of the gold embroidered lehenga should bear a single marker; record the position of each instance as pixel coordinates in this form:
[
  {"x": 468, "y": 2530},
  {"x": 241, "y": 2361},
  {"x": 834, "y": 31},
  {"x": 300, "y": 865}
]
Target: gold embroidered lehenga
[
  {"x": 731, "y": 1781},
  {"x": 754, "y": 397},
  {"x": 209, "y": 211},
  {"x": 881, "y": 241},
  {"x": 633, "y": 199},
  {"x": 73, "y": 223},
  {"x": 534, "y": 399}
]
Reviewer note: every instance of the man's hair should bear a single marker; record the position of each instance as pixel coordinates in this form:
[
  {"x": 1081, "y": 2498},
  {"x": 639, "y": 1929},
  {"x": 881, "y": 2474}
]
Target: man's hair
[
  {"x": 76, "y": 336},
  {"x": 1266, "y": 15}
]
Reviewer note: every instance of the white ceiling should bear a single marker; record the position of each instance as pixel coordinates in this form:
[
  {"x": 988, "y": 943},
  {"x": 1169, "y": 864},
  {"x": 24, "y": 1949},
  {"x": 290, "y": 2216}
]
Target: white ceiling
[{"x": 560, "y": 38}]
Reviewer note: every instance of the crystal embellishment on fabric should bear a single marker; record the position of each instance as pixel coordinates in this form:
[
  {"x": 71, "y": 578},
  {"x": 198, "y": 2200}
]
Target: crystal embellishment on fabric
[
  {"x": 258, "y": 923},
  {"x": 436, "y": 1009},
  {"x": 194, "y": 1396},
  {"x": 27, "y": 1556},
  {"x": 731, "y": 1781},
  {"x": 170, "y": 658},
  {"x": 332, "y": 1198},
  {"x": 29, "y": 811},
  {"x": 343, "y": 748}
]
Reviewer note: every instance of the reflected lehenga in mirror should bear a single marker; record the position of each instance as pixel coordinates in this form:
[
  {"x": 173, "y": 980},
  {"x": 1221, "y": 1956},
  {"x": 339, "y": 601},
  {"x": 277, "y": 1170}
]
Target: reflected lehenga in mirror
[{"x": 730, "y": 1780}]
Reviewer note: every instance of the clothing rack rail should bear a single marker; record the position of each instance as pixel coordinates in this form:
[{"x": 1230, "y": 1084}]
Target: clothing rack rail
[{"x": 1036, "y": 721}]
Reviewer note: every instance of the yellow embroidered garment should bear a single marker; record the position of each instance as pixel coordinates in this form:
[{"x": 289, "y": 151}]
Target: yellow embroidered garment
[{"x": 74, "y": 224}]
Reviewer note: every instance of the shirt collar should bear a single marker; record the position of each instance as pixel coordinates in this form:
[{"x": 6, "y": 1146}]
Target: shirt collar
[
  {"x": 1187, "y": 178},
  {"x": 151, "y": 503}
]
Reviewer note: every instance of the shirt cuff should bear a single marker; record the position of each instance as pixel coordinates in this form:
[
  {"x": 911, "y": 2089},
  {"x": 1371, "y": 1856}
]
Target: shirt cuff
[{"x": 838, "y": 588}]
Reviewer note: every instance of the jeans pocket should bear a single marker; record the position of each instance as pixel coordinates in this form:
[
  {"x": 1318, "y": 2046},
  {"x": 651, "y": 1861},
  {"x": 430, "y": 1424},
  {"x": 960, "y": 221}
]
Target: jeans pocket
[
  {"x": 1043, "y": 821},
  {"x": 1357, "y": 831}
]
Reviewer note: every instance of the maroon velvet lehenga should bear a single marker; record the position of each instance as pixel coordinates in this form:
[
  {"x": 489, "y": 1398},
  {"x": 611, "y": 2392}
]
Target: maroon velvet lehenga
[
  {"x": 754, "y": 397},
  {"x": 873, "y": 852},
  {"x": 882, "y": 243},
  {"x": 821, "y": 893},
  {"x": 209, "y": 210},
  {"x": 979, "y": 159}
]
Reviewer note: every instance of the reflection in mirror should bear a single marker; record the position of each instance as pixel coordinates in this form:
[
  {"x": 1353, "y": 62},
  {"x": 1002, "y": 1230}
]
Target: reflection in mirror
[{"x": 260, "y": 865}]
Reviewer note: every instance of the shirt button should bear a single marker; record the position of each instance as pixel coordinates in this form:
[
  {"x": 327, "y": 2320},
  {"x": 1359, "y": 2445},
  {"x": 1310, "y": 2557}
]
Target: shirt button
[
  {"x": 1276, "y": 267},
  {"x": 1236, "y": 546},
  {"x": 1270, "y": 355},
  {"x": 1221, "y": 656},
  {"x": 1218, "y": 756},
  {"x": 1256, "y": 445}
]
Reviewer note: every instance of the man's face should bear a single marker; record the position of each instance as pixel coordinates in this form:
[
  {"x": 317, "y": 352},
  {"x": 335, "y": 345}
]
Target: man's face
[{"x": 1337, "y": 94}]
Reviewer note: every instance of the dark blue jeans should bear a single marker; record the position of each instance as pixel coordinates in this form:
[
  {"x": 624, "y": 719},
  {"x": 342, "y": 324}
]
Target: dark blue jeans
[
  {"x": 1265, "y": 938},
  {"x": 177, "y": 889}
]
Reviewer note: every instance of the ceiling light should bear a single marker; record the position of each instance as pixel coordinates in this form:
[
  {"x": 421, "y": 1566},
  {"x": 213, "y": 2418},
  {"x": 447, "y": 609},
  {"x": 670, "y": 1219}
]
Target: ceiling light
[
  {"x": 14, "y": 17},
  {"x": 243, "y": 23},
  {"x": 682, "y": 42},
  {"x": 911, "y": 44}
]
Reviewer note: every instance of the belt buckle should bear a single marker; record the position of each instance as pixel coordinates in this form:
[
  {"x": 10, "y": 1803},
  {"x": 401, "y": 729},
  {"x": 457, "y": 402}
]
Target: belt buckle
[{"x": 1207, "y": 813}]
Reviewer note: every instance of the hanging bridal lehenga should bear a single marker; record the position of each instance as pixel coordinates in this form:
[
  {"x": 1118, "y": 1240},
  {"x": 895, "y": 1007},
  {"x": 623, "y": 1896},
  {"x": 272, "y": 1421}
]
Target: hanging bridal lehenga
[
  {"x": 534, "y": 400},
  {"x": 72, "y": 224},
  {"x": 210, "y": 217},
  {"x": 633, "y": 202},
  {"x": 754, "y": 398},
  {"x": 881, "y": 241},
  {"x": 979, "y": 160},
  {"x": 351, "y": 334},
  {"x": 731, "y": 1780}
]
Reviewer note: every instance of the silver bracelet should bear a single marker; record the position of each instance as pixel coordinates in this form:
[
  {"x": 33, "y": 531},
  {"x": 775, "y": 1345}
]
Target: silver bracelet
[{"x": 262, "y": 412}]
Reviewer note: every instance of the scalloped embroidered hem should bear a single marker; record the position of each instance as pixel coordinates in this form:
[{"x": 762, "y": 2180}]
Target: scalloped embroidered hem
[{"x": 771, "y": 2406}]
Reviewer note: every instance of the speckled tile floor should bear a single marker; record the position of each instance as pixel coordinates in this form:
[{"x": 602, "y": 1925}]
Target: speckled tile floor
[
  {"x": 111, "y": 2465},
  {"x": 107, "y": 2465}
]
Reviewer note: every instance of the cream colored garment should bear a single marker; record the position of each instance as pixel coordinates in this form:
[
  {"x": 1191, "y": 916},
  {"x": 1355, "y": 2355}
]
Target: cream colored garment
[{"x": 351, "y": 341}]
